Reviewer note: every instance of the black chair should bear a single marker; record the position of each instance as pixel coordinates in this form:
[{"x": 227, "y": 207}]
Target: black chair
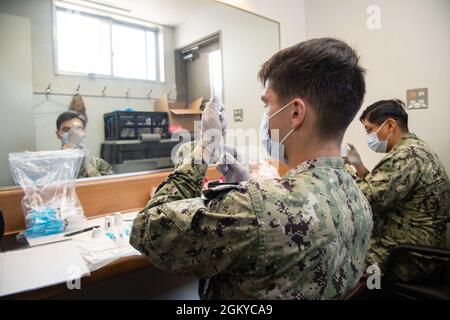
[
  {"x": 437, "y": 288},
  {"x": 356, "y": 291}
]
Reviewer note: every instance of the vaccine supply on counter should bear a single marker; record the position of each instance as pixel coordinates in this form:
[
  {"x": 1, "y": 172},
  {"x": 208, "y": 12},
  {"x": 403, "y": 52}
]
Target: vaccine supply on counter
[
  {"x": 96, "y": 232},
  {"x": 43, "y": 222},
  {"x": 108, "y": 223},
  {"x": 117, "y": 219}
]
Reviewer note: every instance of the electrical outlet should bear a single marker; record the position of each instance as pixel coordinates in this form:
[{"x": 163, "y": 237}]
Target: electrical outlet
[
  {"x": 417, "y": 99},
  {"x": 238, "y": 115}
]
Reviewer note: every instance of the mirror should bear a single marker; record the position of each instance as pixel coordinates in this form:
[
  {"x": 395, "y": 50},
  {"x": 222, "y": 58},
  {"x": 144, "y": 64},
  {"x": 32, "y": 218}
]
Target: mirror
[{"x": 115, "y": 56}]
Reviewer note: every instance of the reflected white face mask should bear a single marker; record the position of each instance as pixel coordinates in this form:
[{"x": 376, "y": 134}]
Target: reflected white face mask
[
  {"x": 374, "y": 142},
  {"x": 64, "y": 138},
  {"x": 274, "y": 148}
]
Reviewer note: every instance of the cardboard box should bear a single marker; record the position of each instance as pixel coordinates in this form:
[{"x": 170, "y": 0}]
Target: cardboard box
[{"x": 179, "y": 114}]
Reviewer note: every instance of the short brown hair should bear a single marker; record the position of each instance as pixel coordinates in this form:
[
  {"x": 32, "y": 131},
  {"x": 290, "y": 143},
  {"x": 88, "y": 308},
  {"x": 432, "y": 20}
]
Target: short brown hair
[
  {"x": 69, "y": 115},
  {"x": 326, "y": 73},
  {"x": 380, "y": 111}
]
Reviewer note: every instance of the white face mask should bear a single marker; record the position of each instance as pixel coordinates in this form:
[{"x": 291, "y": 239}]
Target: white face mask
[
  {"x": 65, "y": 135},
  {"x": 374, "y": 142},
  {"x": 274, "y": 148},
  {"x": 64, "y": 138}
]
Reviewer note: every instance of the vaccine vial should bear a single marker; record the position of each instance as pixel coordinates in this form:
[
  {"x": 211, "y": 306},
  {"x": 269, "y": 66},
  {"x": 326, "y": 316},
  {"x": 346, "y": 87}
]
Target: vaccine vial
[
  {"x": 108, "y": 223},
  {"x": 96, "y": 232},
  {"x": 117, "y": 219}
]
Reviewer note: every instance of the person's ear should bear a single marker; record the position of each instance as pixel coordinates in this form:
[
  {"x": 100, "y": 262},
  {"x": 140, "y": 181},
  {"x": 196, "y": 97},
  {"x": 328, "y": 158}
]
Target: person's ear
[
  {"x": 298, "y": 113},
  {"x": 391, "y": 124},
  {"x": 58, "y": 135}
]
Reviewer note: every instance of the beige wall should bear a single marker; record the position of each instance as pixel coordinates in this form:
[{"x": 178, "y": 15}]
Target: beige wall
[
  {"x": 198, "y": 82},
  {"x": 289, "y": 13},
  {"x": 16, "y": 120},
  {"x": 247, "y": 41},
  {"x": 411, "y": 50}
]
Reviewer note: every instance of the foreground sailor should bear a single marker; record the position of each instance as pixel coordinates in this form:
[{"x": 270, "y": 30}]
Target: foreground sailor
[{"x": 303, "y": 236}]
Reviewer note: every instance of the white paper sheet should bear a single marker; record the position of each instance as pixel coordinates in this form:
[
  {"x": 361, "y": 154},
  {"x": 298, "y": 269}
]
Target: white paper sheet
[
  {"x": 40, "y": 266},
  {"x": 100, "y": 251},
  {"x": 45, "y": 239}
]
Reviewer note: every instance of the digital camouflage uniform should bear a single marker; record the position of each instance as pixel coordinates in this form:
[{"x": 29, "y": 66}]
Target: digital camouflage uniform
[
  {"x": 303, "y": 236},
  {"x": 97, "y": 167},
  {"x": 409, "y": 193}
]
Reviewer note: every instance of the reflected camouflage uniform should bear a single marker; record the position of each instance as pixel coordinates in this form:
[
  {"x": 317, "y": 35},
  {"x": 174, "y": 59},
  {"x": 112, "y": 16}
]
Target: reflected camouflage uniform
[
  {"x": 410, "y": 199},
  {"x": 98, "y": 167},
  {"x": 303, "y": 236}
]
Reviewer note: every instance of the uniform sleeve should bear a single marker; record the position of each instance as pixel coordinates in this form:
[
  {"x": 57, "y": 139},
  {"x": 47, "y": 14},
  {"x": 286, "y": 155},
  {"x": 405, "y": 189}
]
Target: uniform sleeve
[
  {"x": 181, "y": 232},
  {"x": 350, "y": 170},
  {"x": 104, "y": 168},
  {"x": 391, "y": 181},
  {"x": 97, "y": 167}
]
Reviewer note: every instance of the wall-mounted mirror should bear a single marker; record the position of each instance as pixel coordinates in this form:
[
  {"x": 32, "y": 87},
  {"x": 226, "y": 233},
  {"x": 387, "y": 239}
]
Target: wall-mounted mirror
[{"x": 122, "y": 61}]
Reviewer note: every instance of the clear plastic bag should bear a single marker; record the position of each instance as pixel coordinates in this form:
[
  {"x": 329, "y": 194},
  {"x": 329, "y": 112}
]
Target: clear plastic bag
[{"x": 50, "y": 203}]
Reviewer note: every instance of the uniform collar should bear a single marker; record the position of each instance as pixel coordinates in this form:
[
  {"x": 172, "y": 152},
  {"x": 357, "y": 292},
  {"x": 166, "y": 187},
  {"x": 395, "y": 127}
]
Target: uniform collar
[
  {"x": 322, "y": 162},
  {"x": 406, "y": 139}
]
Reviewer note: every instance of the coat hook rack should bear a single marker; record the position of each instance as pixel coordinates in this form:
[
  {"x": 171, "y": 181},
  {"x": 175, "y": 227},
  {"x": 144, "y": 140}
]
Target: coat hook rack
[{"x": 49, "y": 91}]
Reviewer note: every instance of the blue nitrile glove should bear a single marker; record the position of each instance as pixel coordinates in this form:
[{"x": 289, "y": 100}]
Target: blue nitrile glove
[
  {"x": 220, "y": 108},
  {"x": 43, "y": 222},
  {"x": 211, "y": 133},
  {"x": 232, "y": 166},
  {"x": 353, "y": 155}
]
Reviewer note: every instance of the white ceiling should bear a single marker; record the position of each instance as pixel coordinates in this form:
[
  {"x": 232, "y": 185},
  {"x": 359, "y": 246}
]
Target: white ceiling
[{"x": 166, "y": 12}]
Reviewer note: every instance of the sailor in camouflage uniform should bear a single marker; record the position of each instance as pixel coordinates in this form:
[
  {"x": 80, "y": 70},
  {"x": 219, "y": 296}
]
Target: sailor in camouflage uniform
[
  {"x": 408, "y": 191},
  {"x": 70, "y": 129},
  {"x": 94, "y": 167},
  {"x": 303, "y": 236}
]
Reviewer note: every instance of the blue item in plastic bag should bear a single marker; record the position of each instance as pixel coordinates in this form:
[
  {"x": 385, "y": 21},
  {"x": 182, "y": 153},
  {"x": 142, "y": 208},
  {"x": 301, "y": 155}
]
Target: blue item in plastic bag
[
  {"x": 43, "y": 223},
  {"x": 128, "y": 109}
]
